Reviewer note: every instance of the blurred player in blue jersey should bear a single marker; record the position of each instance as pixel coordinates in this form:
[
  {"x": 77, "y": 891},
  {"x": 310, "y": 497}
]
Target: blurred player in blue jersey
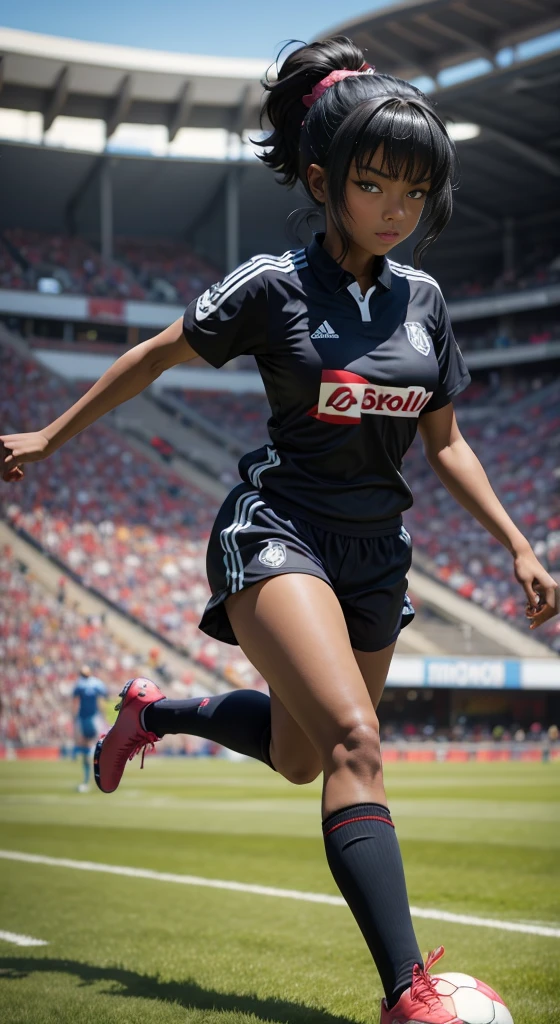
[{"x": 86, "y": 694}]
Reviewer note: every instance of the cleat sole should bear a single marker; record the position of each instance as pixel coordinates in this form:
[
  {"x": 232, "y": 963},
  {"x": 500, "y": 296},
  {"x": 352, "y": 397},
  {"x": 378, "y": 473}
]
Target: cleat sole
[{"x": 96, "y": 754}]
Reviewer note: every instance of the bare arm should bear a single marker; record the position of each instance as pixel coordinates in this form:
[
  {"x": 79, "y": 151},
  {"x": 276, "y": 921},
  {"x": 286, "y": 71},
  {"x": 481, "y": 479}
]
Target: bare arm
[
  {"x": 460, "y": 471},
  {"x": 128, "y": 376}
]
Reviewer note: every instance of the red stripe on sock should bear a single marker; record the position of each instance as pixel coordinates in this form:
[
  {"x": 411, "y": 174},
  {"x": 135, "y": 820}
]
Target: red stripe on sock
[{"x": 365, "y": 817}]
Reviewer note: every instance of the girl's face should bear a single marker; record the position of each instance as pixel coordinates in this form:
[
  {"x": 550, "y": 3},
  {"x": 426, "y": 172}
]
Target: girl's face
[{"x": 382, "y": 211}]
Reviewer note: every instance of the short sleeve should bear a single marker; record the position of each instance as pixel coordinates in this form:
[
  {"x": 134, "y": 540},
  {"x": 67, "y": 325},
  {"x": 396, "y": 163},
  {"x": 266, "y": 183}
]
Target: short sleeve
[
  {"x": 101, "y": 688},
  {"x": 230, "y": 318},
  {"x": 453, "y": 374},
  {"x": 76, "y": 692}
]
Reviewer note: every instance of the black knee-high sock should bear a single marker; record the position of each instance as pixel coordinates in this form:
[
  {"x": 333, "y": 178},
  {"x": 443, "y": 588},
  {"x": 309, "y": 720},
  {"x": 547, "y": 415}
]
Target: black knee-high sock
[
  {"x": 365, "y": 860},
  {"x": 239, "y": 720}
]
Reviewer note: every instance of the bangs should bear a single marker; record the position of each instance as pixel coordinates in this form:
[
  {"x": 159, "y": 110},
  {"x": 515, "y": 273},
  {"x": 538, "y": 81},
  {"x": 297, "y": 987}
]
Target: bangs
[{"x": 414, "y": 145}]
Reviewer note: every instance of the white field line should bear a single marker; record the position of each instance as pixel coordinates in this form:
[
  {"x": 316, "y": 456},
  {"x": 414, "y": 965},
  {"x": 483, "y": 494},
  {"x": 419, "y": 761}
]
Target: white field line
[
  {"x": 21, "y": 940},
  {"x": 266, "y": 890}
]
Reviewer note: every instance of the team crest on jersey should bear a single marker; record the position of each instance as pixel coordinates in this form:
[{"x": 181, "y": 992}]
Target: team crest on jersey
[
  {"x": 418, "y": 337},
  {"x": 273, "y": 555}
]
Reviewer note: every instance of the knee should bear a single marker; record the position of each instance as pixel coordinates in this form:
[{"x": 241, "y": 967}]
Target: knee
[
  {"x": 357, "y": 749},
  {"x": 299, "y": 773}
]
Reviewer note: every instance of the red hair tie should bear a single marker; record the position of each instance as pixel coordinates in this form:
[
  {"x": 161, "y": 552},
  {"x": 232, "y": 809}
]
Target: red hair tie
[{"x": 335, "y": 76}]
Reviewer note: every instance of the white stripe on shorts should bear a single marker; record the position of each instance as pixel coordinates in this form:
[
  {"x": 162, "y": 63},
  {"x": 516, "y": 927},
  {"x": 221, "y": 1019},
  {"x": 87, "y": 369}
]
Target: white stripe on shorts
[{"x": 246, "y": 506}]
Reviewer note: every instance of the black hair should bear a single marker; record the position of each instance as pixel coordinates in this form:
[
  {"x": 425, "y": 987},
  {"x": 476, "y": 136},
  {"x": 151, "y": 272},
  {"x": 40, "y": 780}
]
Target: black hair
[{"x": 349, "y": 122}]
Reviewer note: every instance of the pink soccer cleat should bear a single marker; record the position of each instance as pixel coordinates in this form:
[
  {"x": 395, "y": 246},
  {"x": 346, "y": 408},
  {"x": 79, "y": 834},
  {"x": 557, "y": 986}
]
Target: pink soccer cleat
[
  {"x": 127, "y": 737},
  {"x": 421, "y": 1004}
]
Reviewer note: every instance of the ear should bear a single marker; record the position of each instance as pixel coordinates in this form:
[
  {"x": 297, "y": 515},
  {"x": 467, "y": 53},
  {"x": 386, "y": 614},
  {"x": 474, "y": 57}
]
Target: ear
[{"x": 317, "y": 181}]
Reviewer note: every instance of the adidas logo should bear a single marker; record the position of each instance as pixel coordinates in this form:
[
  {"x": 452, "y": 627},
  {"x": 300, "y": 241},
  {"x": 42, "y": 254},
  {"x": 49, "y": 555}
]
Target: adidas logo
[{"x": 325, "y": 331}]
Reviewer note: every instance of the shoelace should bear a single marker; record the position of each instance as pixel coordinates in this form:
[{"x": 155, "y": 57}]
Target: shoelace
[
  {"x": 143, "y": 746},
  {"x": 423, "y": 986},
  {"x": 423, "y": 989}
]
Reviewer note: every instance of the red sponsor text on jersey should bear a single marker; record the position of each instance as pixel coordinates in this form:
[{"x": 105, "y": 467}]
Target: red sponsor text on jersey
[{"x": 344, "y": 397}]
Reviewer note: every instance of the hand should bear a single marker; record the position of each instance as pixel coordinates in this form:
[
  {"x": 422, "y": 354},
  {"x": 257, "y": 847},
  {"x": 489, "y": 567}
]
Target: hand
[
  {"x": 543, "y": 593},
  {"x": 18, "y": 448}
]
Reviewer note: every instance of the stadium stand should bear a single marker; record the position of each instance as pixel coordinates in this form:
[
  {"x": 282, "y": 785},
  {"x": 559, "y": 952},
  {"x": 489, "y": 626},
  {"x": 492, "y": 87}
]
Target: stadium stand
[
  {"x": 138, "y": 539},
  {"x": 43, "y": 640},
  {"x": 157, "y": 271},
  {"x": 535, "y": 272},
  {"x": 168, "y": 271},
  {"x": 30, "y": 256}
]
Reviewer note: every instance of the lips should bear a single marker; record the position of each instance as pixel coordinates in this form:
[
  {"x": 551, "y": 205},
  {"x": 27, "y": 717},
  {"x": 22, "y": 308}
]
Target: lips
[{"x": 387, "y": 236}]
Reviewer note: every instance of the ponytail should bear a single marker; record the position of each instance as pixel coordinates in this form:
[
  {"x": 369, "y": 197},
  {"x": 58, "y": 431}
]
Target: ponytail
[
  {"x": 350, "y": 120},
  {"x": 284, "y": 106}
]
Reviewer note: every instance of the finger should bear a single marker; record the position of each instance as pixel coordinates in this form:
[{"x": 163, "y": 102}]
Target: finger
[
  {"x": 541, "y": 617},
  {"x": 548, "y": 594},
  {"x": 12, "y": 475},
  {"x": 547, "y": 611},
  {"x": 531, "y": 595}
]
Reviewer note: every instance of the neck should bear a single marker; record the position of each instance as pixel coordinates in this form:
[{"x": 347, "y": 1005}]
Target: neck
[{"x": 358, "y": 262}]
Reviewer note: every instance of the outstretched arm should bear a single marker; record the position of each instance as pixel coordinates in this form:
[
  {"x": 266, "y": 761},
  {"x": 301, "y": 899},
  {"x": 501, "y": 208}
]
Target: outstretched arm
[
  {"x": 128, "y": 376},
  {"x": 460, "y": 471}
]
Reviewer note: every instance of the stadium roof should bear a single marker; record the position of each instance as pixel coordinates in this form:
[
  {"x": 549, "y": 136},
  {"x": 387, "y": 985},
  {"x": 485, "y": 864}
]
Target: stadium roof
[
  {"x": 421, "y": 37},
  {"x": 122, "y": 83},
  {"x": 510, "y": 170}
]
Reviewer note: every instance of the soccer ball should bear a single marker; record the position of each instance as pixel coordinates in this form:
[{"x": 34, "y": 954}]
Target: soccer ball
[{"x": 470, "y": 999}]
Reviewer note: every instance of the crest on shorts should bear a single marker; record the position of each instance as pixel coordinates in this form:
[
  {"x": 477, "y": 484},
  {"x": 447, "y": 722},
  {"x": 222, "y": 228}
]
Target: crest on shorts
[
  {"x": 273, "y": 555},
  {"x": 418, "y": 337}
]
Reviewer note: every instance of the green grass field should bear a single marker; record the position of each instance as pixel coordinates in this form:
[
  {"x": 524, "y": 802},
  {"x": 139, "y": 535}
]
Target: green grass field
[{"x": 478, "y": 840}]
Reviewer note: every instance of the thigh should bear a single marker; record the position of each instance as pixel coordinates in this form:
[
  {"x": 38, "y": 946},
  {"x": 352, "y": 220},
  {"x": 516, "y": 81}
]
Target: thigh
[
  {"x": 374, "y": 666},
  {"x": 292, "y": 629},
  {"x": 89, "y": 730}
]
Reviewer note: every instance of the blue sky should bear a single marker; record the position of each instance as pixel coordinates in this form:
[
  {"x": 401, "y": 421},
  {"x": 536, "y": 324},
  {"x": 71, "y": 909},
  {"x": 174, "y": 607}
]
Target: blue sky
[{"x": 238, "y": 28}]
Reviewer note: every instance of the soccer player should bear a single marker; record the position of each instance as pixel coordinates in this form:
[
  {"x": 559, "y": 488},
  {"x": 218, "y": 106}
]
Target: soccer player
[
  {"x": 308, "y": 557},
  {"x": 86, "y": 694}
]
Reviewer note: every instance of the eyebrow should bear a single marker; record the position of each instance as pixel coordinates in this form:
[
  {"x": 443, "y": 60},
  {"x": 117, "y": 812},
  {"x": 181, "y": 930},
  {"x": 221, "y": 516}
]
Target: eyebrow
[{"x": 382, "y": 174}]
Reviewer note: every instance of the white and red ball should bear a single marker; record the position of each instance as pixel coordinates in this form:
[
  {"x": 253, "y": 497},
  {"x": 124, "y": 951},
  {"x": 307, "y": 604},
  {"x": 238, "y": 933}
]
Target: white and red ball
[{"x": 471, "y": 1000}]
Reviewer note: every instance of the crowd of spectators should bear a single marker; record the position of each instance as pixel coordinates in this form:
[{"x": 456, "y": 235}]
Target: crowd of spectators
[
  {"x": 542, "y": 269},
  {"x": 166, "y": 271},
  {"x": 145, "y": 269},
  {"x": 43, "y": 640},
  {"x": 135, "y": 534},
  {"x": 473, "y": 337},
  {"x": 161, "y": 270},
  {"x": 467, "y": 730},
  {"x": 241, "y": 414},
  {"x": 30, "y": 260}
]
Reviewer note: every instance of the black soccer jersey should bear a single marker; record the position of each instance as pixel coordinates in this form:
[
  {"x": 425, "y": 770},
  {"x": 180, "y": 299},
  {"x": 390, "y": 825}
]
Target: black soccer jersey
[{"x": 346, "y": 375}]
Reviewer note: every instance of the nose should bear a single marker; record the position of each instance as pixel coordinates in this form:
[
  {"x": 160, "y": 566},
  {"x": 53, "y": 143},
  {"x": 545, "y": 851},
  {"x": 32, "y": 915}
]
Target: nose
[{"x": 394, "y": 212}]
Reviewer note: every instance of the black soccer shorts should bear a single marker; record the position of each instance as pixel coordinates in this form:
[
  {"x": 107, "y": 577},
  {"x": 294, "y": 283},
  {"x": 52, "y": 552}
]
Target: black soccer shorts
[{"x": 251, "y": 542}]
